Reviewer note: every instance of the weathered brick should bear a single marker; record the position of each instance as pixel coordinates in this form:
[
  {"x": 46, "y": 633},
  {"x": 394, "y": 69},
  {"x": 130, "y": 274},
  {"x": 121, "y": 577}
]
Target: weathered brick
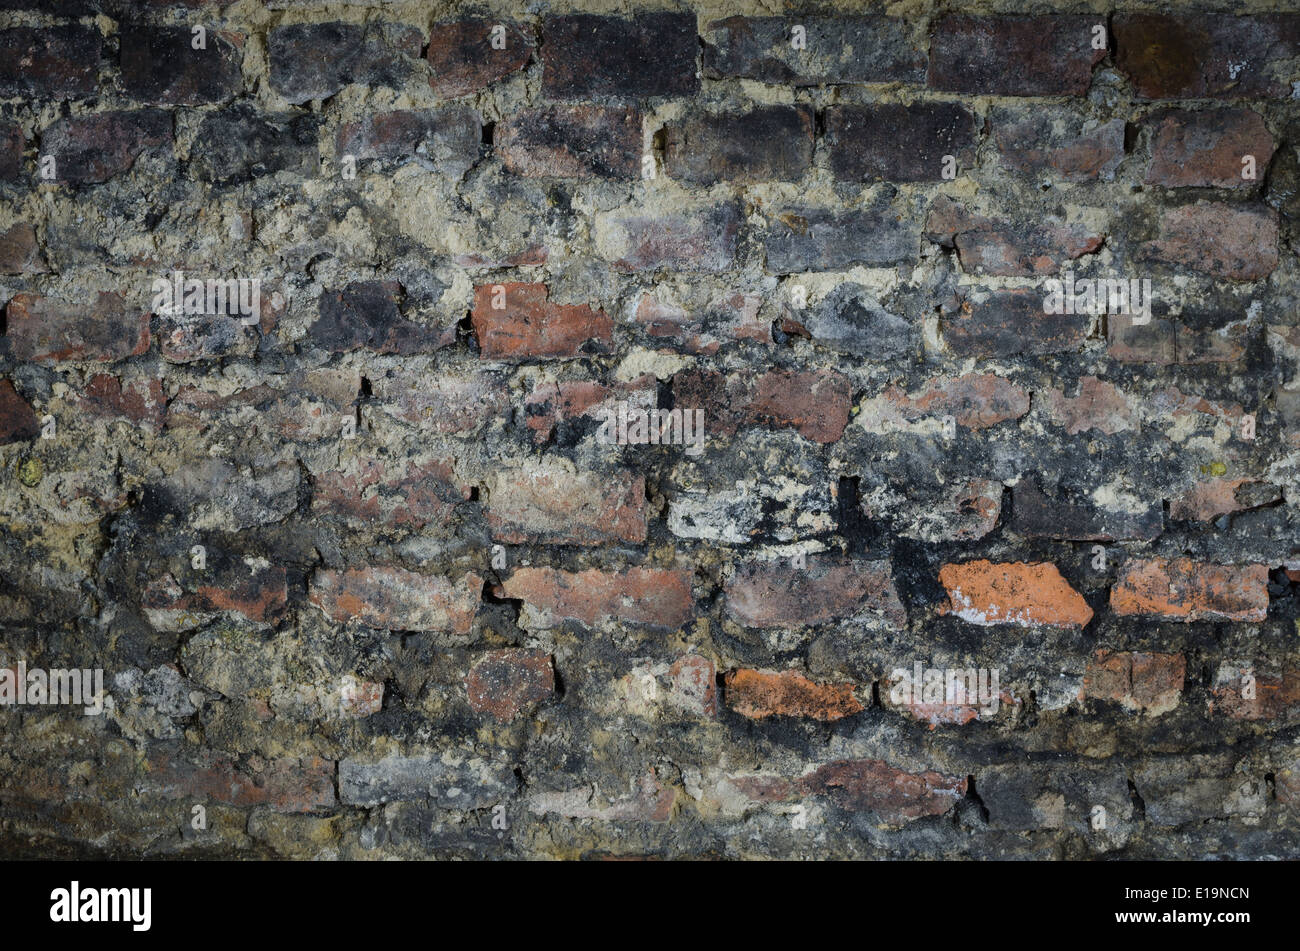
[
  {"x": 550, "y": 505},
  {"x": 776, "y": 594},
  {"x": 1214, "y": 497},
  {"x": 757, "y": 694},
  {"x": 976, "y": 401},
  {"x": 447, "y": 137},
  {"x": 553, "y": 404},
  {"x": 444, "y": 403},
  {"x": 239, "y": 143},
  {"x": 1152, "y": 342},
  {"x": 700, "y": 239},
  {"x": 18, "y": 421},
  {"x": 657, "y": 597},
  {"x": 850, "y": 319},
  {"x": 1145, "y": 682},
  {"x": 841, "y": 49},
  {"x": 819, "y": 239},
  {"x": 898, "y": 143},
  {"x": 12, "y": 144},
  {"x": 44, "y": 330},
  {"x": 1014, "y": 56},
  {"x": 965, "y": 511},
  {"x": 652, "y": 54},
  {"x": 572, "y": 142},
  {"x": 446, "y": 780},
  {"x": 814, "y": 403},
  {"x": 397, "y": 599},
  {"x": 257, "y": 594},
  {"x": 768, "y": 143},
  {"x": 1026, "y": 595},
  {"x": 702, "y": 329},
  {"x": 142, "y": 402},
  {"x": 1181, "y": 589},
  {"x": 463, "y": 59},
  {"x": 1065, "y": 145},
  {"x": 651, "y": 801},
  {"x": 366, "y": 315},
  {"x": 1205, "y": 55},
  {"x": 1010, "y": 322},
  {"x": 316, "y": 60},
  {"x": 54, "y": 62},
  {"x": 159, "y": 64},
  {"x": 19, "y": 252},
  {"x": 284, "y": 785},
  {"x": 190, "y": 338},
  {"x": 1005, "y": 249},
  {"x": 506, "y": 683},
  {"x": 1206, "y": 148},
  {"x": 528, "y": 325},
  {"x": 93, "y": 148},
  {"x": 370, "y": 492},
  {"x": 1036, "y": 515},
  {"x": 1097, "y": 405},
  {"x": 686, "y": 687},
  {"x": 895, "y": 796},
  {"x": 1255, "y": 692}
]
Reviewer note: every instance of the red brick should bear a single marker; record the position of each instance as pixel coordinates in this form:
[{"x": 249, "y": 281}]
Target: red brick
[
  {"x": 1145, "y": 682},
  {"x": 1027, "y": 595},
  {"x": 1276, "y": 693},
  {"x": 1010, "y": 322},
  {"x": 550, "y": 505},
  {"x": 758, "y": 694},
  {"x": 1206, "y": 148},
  {"x": 1203, "y": 55},
  {"x": 572, "y": 142},
  {"x": 18, "y": 421},
  {"x": 813, "y": 403},
  {"x": 1214, "y": 497},
  {"x": 1181, "y": 589},
  {"x": 93, "y": 148},
  {"x": 767, "y": 143},
  {"x": 976, "y": 401},
  {"x": 705, "y": 238},
  {"x": 1032, "y": 145},
  {"x": 49, "y": 62},
  {"x": 506, "y": 683},
  {"x": 988, "y": 246},
  {"x": 384, "y": 492},
  {"x": 19, "y": 252},
  {"x": 44, "y": 330},
  {"x": 462, "y": 59},
  {"x": 1098, "y": 405},
  {"x": 586, "y": 56},
  {"x": 397, "y": 599},
  {"x": 529, "y": 325},
  {"x": 1014, "y": 56},
  {"x": 777, "y": 594},
  {"x": 553, "y": 404},
  {"x": 898, "y": 143},
  {"x": 284, "y": 785},
  {"x": 258, "y": 594},
  {"x": 1236, "y": 242},
  {"x": 138, "y": 401},
  {"x": 653, "y": 596}
]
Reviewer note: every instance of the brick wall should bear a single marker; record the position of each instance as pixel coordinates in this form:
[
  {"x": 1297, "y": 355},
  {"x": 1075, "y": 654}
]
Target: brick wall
[{"x": 371, "y": 570}]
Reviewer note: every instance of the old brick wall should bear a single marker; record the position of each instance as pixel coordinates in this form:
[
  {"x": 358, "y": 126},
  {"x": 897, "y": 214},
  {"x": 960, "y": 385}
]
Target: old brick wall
[{"x": 365, "y": 580}]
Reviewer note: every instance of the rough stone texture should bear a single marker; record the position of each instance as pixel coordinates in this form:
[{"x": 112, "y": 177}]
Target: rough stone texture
[{"x": 369, "y": 567}]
